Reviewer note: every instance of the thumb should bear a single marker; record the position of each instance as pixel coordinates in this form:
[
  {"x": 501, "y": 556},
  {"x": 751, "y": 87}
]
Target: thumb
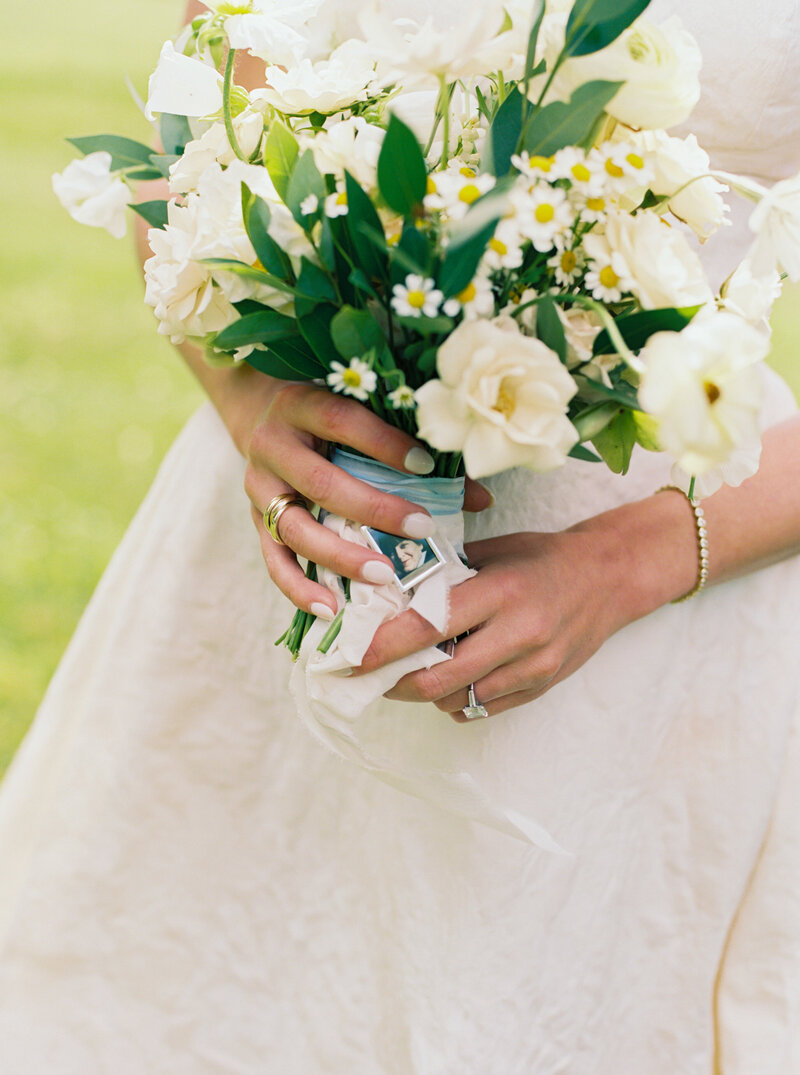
[{"x": 476, "y": 496}]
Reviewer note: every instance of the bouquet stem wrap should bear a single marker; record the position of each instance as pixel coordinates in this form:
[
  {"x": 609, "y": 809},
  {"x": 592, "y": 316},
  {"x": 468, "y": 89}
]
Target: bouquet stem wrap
[{"x": 339, "y": 709}]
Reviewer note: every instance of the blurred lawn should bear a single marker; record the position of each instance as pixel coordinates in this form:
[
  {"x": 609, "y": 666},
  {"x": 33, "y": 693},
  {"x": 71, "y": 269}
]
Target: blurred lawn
[{"x": 90, "y": 397}]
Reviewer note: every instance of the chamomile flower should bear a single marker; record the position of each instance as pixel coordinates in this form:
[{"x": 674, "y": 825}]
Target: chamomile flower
[
  {"x": 504, "y": 249},
  {"x": 309, "y": 205},
  {"x": 336, "y": 204},
  {"x": 418, "y": 297},
  {"x": 402, "y": 398},
  {"x": 543, "y": 214},
  {"x": 355, "y": 379},
  {"x": 453, "y": 192},
  {"x": 595, "y": 209},
  {"x": 623, "y": 166},
  {"x": 567, "y": 264},
  {"x": 533, "y": 167},
  {"x": 585, "y": 173},
  {"x": 476, "y": 300}
]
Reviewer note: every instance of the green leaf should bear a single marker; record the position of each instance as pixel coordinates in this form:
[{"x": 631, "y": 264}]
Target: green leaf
[
  {"x": 636, "y": 329},
  {"x": 504, "y": 134},
  {"x": 580, "y": 451},
  {"x": 363, "y": 222},
  {"x": 468, "y": 244},
  {"x": 315, "y": 327},
  {"x": 280, "y": 156},
  {"x": 616, "y": 442},
  {"x": 413, "y": 254},
  {"x": 646, "y": 431},
  {"x": 597, "y": 392},
  {"x": 355, "y": 332},
  {"x": 175, "y": 133},
  {"x": 567, "y": 123},
  {"x": 549, "y": 328},
  {"x": 290, "y": 359},
  {"x": 537, "y": 14},
  {"x": 593, "y": 24},
  {"x": 161, "y": 162},
  {"x": 402, "y": 174},
  {"x": 305, "y": 180},
  {"x": 591, "y": 421},
  {"x": 250, "y": 272},
  {"x": 427, "y": 326},
  {"x": 264, "y": 327},
  {"x": 314, "y": 283},
  {"x": 155, "y": 212},
  {"x": 257, "y": 218},
  {"x": 125, "y": 152}
]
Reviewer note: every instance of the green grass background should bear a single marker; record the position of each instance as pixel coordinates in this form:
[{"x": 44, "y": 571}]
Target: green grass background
[{"x": 90, "y": 397}]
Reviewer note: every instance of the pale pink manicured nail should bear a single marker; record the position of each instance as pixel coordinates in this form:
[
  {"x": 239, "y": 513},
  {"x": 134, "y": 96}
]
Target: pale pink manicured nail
[
  {"x": 418, "y": 461},
  {"x": 323, "y": 611},
  {"x": 418, "y": 525},
  {"x": 377, "y": 572}
]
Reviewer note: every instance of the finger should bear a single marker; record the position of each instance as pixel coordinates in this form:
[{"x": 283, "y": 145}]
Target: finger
[
  {"x": 340, "y": 420},
  {"x": 290, "y": 578},
  {"x": 495, "y": 708},
  {"x": 446, "y": 684},
  {"x": 476, "y": 496}
]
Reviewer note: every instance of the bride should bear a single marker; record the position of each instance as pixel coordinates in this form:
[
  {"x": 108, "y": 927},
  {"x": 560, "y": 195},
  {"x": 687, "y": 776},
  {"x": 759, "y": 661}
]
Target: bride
[{"x": 190, "y": 884}]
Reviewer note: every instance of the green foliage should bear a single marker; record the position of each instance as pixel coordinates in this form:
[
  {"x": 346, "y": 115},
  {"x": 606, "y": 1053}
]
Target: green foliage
[
  {"x": 267, "y": 326},
  {"x": 594, "y": 24},
  {"x": 364, "y": 226},
  {"x": 280, "y": 156},
  {"x": 402, "y": 174},
  {"x": 356, "y": 332},
  {"x": 569, "y": 123},
  {"x": 304, "y": 181},
  {"x": 504, "y": 134},
  {"x": 468, "y": 244},
  {"x": 175, "y": 134},
  {"x": 125, "y": 152},
  {"x": 257, "y": 216},
  {"x": 290, "y": 359},
  {"x": 636, "y": 329},
  {"x": 155, "y": 212},
  {"x": 615, "y": 443},
  {"x": 549, "y": 328}
]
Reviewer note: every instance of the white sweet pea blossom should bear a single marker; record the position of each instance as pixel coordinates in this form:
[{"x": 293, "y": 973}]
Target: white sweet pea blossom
[
  {"x": 658, "y": 64},
  {"x": 328, "y": 86},
  {"x": 502, "y": 400},
  {"x": 704, "y": 388},
  {"x": 351, "y": 144},
  {"x": 183, "y": 85},
  {"x": 417, "y": 297},
  {"x": 272, "y": 35},
  {"x": 355, "y": 379},
  {"x": 92, "y": 194},
  {"x": 213, "y": 147},
  {"x": 776, "y": 222},
  {"x": 662, "y": 269}
]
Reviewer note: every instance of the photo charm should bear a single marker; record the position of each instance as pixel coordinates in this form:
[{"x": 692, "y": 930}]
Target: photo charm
[{"x": 413, "y": 559}]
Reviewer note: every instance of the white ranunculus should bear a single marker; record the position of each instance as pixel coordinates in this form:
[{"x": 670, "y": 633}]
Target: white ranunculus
[
  {"x": 663, "y": 270},
  {"x": 776, "y": 222},
  {"x": 415, "y": 41},
  {"x": 751, "y": 297},
  {"x": 213, "y": 147},
  {"x": 581, "y": 328},
  {"x": 742, "y": 464},
  {"x": 704, "y": 388},
  {"x": 502, "y": 400},
  {"x": 659, "y": 65},
  {"x": 328, "y": 86},
  {"x": 183, "y": 86},
  {"x": 681, "y": 170},
  {"x": 92, "y": 195},
  {"x": 351, "y": 144}
]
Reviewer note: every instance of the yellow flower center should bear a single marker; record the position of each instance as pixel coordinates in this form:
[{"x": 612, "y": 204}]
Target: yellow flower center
[
  {"x": 581, "y": 173},
  {"x": 568, "y": 261},
  {"x": 712, "y": 391},
  {"x": 635, "y": 160},
  {"x": 467, "y": 295},
  {"x": 544, "y": 213},
  {"x": 596, "y": 205},
  {"x": 469, "y": 173},
  {"x": 352, "y": 378},
  {"x": 505, "y": 403},
  {"x": 430, "y": 186},
  {"x": 341, "y": 198},
  {"x": 498, "y": 246},
  {"x": 608, "y": 278},
  {"x": 544, "y": 164},
  {"x": 614, "y": 169},
  {"x": 416, "y": 299},
  {"x": 469, "y": 194}
]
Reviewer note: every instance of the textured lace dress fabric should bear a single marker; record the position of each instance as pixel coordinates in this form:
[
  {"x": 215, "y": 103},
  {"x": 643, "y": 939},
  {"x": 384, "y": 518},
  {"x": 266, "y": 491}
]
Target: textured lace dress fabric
[{"x": 191, "y": 885}]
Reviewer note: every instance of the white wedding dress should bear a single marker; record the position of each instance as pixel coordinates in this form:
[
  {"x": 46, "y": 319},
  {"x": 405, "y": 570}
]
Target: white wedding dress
[{"x": 191, "y": 885}]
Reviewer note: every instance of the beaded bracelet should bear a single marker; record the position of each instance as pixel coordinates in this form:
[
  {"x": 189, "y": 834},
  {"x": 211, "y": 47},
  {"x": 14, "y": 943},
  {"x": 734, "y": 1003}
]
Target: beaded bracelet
[{"x": 702, "y": 543}]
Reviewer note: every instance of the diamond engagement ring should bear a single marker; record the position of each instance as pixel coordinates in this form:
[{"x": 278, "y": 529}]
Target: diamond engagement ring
[{"x": 473, "y": 709}]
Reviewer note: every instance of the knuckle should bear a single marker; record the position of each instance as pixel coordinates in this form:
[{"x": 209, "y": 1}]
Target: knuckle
[
  {"x": 548, "y": 665},
  {"x": 319, "y": 483},
  {"x": 429, "y": 685},
  {"x": 336, "y": 414}
]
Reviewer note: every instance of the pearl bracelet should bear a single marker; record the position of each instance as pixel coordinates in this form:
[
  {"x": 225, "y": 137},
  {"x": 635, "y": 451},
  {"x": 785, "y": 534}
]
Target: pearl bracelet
[{"x": 702, "y": 543}]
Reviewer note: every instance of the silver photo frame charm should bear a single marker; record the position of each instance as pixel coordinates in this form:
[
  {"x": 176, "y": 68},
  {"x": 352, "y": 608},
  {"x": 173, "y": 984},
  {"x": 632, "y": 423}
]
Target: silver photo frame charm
[{"x": 413, "y": 559}]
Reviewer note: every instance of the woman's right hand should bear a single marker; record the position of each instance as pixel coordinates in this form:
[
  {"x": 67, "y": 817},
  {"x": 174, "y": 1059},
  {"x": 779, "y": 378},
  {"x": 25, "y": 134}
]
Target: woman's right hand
[{"x": 286, "y": 453}]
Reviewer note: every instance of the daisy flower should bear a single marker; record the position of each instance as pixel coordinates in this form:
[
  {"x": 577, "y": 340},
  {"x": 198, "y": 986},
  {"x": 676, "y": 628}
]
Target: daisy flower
[
  {"x": 402, "y": 398},
  {"x": 504, "y": 249},
  {"x": 594, "y": 209},
  {"x": 476, "y": 300},
  {"x": 584, "y": 173},
  {"x": 567, "y": 264},
  {"x": 355, "y": 379},
  {"x": 543, "y": 214},
  {"x": 533, "y": 167},
  {"x": 418, "y": 297},
  {"x": 623, "y": 166},
  {"x": 336, "y": 204}
]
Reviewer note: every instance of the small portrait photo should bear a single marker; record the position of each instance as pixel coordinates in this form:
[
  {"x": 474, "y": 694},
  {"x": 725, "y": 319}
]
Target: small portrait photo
[{"x": 413, "y": 559}]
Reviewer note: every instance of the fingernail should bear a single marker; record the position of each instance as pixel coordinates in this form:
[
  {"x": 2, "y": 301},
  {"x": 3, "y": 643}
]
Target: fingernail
[
  {"x": 418, "y": 525},
  {"x": 489, "y": 496},
  {"x": 378, "y": 572},
  {"x": 324, "y": 612},
  {"x": 418, "y": 461}
]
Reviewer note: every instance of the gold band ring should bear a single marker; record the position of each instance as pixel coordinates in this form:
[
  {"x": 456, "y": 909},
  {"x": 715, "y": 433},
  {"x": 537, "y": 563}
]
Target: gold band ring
[{"x": 276, "y": 507}]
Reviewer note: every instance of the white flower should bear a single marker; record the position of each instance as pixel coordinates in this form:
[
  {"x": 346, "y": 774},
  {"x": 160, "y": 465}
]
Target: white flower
[
  {"x": 581, "y": 328},
  {"x": 336, "y": 204},
  {"x": 680, "y": 170},
  {"x": 662, "y": 269},
  {"x": 355, "y": 379},
  {"x": 351, "y": 144},
  {"x": 543, "y": 214},
  {"x": 92, "y": 195},
  {"x": 742, "y": 464},
  {"x": 585, "y": 173},
  {"x": 267, "y": 36},
  {"x": 417, "y": 109},
  {"x": 453, "y": 192},
  {"x": 213, "y": 147},
  {"x": 704, "y": 388},
  {"x": 751, "y": 297},
  {"x": 327, "y": 86},
  {"x": 623, "y": 168},
  {"x": 418, "y": 297},
  {"x": 309, "y": 205},
  {"x": 476, "y": 300},
  {"x": 504, "y": 250},
  {"x": 608, "y": 276},
  {"x": 567, "y": 263},
  {"x": 776, "y": 222},
  {"x": 502, "y": 400},
  {"x": 402, "y": 398},
  {"x": 183, "y": 86},
  {"x": 659, "y": 66}
]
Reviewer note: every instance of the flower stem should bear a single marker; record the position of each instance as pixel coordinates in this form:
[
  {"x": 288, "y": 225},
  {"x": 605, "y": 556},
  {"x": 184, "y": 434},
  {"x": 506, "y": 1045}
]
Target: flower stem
[{"x": 226, "y": 106}]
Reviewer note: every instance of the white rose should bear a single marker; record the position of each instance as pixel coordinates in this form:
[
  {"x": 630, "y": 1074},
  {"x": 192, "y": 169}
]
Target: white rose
[
  {"x": 183, "y": 86},
  {"x": 659, "y": 65},
  {"x": 581, "y": 328},
  {"x": 776, "y": 222},
  {"x": 703, "y": 387},
  {"x": 502, "y": 400},
  {"x": 92, "y": 195},
  {"x": 326, "y": 87},
  {"x": 681, "y": 169},
  {"x": 662, "y": 269},
  {"x": 351, "y": 144}
]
